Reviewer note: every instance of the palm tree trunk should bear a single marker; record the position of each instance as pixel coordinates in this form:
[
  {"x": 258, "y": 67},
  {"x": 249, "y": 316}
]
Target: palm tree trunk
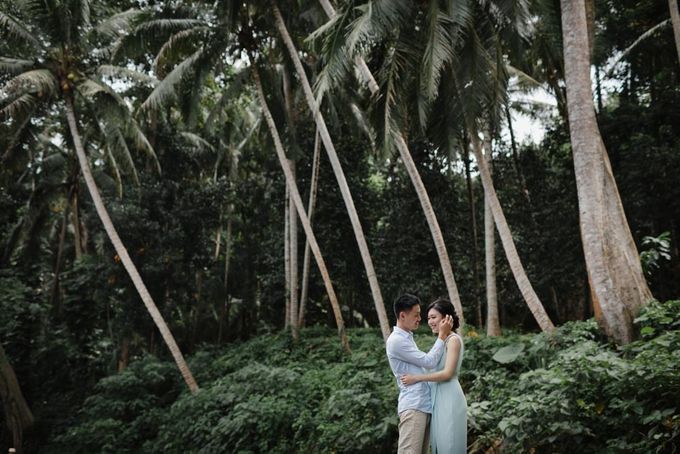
[
  {"x": 617, "y": 283},
  {"x": 286, "y": 254},
  {"x": 435, "y": 230},
  {"x": 77, "y": 237},
  {"x": 122, "y": 252},
  {"x": 339, "y": 174},
  {"x": 55, "y": 300},
  {"x": 304, "y": 294},
  {"x": 17, "y": 414},
  {"x": 292, "y": 225},
  {"x": 473, "y": 230},
  {"x": 218, "y": 237},
  {"x": 493, "y": 326},
  {"x": 224, "y": 312},
  {"x": 304, "y": 220},
  {"x": 515, "y": 157},
  {"x": 675, "y": 20},
  {"x": 508, "y": 243}
]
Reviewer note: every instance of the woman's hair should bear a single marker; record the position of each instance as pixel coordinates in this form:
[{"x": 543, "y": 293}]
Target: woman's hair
[{"x": 444, "y": 307}]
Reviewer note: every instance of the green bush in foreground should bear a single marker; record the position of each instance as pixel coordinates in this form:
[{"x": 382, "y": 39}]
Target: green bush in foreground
[{"x": 564, "y": 393}]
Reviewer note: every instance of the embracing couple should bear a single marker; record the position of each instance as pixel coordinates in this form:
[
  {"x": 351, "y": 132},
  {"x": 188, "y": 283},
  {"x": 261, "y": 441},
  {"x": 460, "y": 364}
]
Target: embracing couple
[{"x": 432, "y": 407}]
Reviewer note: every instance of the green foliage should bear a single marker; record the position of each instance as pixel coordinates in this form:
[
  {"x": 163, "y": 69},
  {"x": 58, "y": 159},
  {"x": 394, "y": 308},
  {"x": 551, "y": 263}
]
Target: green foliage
[
  {"x": 124, "y": 409},
  {"x": 264, "y": 395},
  {"x": 569, "y": 391},
  {"x": 657, "y": 318},
  {"x": 657, "y": 249},
  {"x": 586, "y": 397}
]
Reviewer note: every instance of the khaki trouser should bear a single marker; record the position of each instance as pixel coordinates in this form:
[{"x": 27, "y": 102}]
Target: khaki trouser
[{"x": 414, "y": 432}]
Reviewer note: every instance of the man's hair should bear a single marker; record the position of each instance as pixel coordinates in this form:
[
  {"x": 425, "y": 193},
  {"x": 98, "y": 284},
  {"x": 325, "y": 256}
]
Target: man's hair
[
  {"x": 444, "y": 307},
  {"x": 405, "y": 303}
]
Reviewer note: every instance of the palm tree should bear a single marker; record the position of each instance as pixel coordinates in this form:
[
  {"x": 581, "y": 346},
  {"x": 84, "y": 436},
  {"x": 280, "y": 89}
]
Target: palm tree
[
  {"x": 59, "y": 75},
  {"x": 189, "y": 40},
  {"x": 472, "y": 76},
  {"x": 618, "y": 286},
  {"x": 337, "y": 169},
  {"x": 299, "y": 207}
]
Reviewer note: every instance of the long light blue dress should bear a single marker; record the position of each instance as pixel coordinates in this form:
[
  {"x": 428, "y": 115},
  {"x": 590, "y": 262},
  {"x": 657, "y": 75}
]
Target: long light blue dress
[{"x": 448, "y": 429}]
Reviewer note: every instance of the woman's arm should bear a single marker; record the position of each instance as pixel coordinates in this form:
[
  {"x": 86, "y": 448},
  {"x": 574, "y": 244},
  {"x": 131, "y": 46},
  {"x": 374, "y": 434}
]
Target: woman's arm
[{"x": 452, "y": 353}]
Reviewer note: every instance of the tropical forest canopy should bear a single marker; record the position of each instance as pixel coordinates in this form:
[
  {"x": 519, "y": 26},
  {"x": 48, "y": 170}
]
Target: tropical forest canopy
[{"x": 208, "y": 208}]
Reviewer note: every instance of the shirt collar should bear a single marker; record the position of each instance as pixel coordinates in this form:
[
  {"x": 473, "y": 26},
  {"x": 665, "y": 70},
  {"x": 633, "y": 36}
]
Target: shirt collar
[{"x": 403, "y": 332}]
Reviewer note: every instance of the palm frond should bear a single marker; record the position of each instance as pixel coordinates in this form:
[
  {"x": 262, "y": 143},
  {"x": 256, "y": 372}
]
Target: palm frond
[
  {"x": 11, "y": 137},
  {"x": 84, "y": 12},
  {"x": 385, "y": 17},
  {"x": 637, "y": 41},
  {"x": 13, "y": 28},
  {"x": 39, "y": 81},
  {"x": 165, "y": 90},
  {"x": 235, "y": 88},
  {"x": 149, "y": 35},
  {"x": 197, "y": 142},
  {"x": 336, "y": 62},
  {"x": 119, "y": 24},
  {"x": 164, "y": 26},
  {"x": 515, "y": 13},
  {"x": 524, "y": 80},
  {"x": 134, "y": 132},
  {"x": 177, "y": 44},
  {"x": 15, "y": 65},
  {"x": 122, "y": 72},
  {"x": 438, "y": 51},
  {"x": 113, "y": 163},
  {"x": 360, "y": 29},
  {"x": 90, "y": 88},
  {"x": 249, "y": 134}
]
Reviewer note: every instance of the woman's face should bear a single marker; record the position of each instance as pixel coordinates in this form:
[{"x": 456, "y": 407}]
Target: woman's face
[{"x": 434, "y": 317}]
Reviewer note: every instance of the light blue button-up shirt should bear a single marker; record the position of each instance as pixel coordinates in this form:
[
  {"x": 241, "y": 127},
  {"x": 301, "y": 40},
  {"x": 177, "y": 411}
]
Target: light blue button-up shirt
[{"x": 405, "y": 358}]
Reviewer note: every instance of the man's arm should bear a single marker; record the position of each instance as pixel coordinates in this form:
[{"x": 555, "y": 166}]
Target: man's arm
[
  {"x": 445, "y": 374},
  {"x": 407, "y": 351}
]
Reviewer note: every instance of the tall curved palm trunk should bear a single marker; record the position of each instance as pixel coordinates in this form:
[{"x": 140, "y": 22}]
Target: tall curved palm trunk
[
  {"x": 421, "y": 192},
  {"x": 493, "y": 326},
  {"x": 286, "y": 254},
  {"x": 122, "y": 252},
  {"x": 293, "y": 246},
  {"x": 304, "y": 293},
  {"x": 304, "y": 220},
  {"x": 339, "y": 174},
  {"x": 18, "y": 415},
  {"x": 618, "y": 286},
  {"x": 525, "y": 287}
]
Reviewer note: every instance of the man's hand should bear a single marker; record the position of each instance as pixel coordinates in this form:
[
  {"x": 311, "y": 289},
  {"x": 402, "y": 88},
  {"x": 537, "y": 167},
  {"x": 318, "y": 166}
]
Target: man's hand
[
  {"x": 408, "y": 379},
  {"x": 445, "y": 327}
]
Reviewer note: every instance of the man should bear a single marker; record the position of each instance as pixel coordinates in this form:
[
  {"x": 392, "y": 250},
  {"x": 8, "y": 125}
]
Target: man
[{"x": 404, "y": 356}]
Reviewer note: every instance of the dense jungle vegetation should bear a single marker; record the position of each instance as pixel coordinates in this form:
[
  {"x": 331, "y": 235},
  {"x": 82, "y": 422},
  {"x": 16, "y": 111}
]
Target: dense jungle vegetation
[{"x": 158, "y": 160}]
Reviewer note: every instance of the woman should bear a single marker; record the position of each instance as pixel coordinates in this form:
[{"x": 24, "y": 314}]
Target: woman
[{"x": 448, "y": 429}]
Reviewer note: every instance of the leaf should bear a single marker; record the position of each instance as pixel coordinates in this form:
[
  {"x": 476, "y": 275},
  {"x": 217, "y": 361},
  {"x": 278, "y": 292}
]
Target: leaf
[
  {"x": 508, "y": 353},
  {"x": 647, "y": 331}
]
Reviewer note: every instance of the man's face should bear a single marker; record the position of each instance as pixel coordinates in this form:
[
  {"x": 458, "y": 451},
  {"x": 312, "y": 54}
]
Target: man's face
[{"x": 411, "y": 319}]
